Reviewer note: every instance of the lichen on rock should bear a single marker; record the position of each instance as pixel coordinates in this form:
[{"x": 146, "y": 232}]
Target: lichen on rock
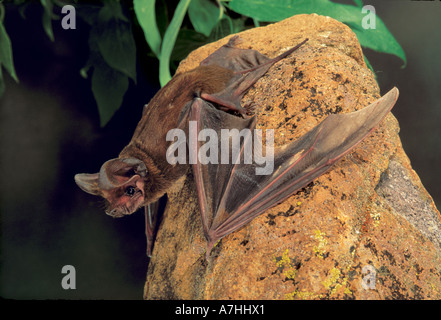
[{"x": 369, "y": 210}]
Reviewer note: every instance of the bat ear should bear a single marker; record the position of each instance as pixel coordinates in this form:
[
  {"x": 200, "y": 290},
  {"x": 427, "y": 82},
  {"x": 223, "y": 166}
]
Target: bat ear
[
  {"x": 88, "y": 182},
  {"x": 117, "y": 172}
]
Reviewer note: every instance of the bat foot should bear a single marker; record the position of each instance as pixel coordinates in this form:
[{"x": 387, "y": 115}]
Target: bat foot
[
  {"x": 149, "y": 249},
  {"x": 250, "y": 108},
  {"x": 208, "y": 251},
  {"x": 210, "y": 245}
]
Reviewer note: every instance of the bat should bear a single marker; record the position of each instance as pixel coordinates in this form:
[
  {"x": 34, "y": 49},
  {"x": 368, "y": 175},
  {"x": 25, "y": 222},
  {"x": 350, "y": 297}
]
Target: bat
[{"x": 230, "y": 194}]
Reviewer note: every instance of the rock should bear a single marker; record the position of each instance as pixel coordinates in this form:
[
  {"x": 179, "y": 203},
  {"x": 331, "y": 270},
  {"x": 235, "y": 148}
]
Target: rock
[{"x": 365, "y": 230}]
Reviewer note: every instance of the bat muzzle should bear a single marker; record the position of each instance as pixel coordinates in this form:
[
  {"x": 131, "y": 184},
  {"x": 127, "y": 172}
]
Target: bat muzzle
[{"x": 115, "y": 213}]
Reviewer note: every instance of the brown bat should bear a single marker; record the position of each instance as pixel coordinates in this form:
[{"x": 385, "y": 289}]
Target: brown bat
[{"x": 230, "y": 194}]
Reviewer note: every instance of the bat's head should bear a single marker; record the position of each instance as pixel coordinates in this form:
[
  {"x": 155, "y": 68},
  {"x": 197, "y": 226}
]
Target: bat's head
[{"x": 120, "y": 182}]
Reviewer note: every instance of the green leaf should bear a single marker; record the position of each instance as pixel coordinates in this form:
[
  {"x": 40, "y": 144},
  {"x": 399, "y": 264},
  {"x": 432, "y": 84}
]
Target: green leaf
[
  {"x": 169, "y": 41},
  {"x": 187, "y": 41},
  {"x": 358, "y": 3},
  {"x": 270, "y": 11},
  {"x": 379, "y": 39},
  {"x": 227, "y": 26},
  {"x": 47, "y": 18},
  {"x": 115, "y": 39},
  {"x": 204, "y": 15},
  {"x": 162, "y": 16},
  {"x": 108, "y": 87},
  {"x": 6, "y": 58},
  {"x": 108, "y": 84},
  {"x": 145, "y": 13}
]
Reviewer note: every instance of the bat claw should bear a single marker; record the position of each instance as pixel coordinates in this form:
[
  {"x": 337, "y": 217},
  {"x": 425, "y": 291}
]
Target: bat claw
[
  {"x": 210, "y": 245},
  {"x": 233, "y": 41},
  {"x": 250, "y": 108}
]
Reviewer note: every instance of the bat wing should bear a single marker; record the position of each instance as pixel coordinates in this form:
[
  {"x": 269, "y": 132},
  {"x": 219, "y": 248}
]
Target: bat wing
[
  {"x": 232, "y": 194},
  {"x": 248, "y": 66}
]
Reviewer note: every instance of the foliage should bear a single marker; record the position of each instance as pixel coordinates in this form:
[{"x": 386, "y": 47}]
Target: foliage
[
  {"x": 6, "y": 60},
  {"x": 174, "y": 28},
  {"x": 112, "y": 57},
  {"x": 379, "y": 39}
]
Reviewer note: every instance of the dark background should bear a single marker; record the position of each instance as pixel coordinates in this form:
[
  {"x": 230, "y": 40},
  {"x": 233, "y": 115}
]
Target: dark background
[{"x": 50, "y": 131}]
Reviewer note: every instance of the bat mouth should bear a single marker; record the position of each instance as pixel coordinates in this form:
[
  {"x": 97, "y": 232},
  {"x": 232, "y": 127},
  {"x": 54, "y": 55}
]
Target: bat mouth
[
  {"x": 115, "y": 213},
  {"x": 119, "y": 212},
  {"x": 126, "y": 209}
]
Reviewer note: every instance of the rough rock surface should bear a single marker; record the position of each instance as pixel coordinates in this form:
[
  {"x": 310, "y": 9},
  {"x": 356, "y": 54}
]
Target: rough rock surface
[{"x": 365, "y": 230}]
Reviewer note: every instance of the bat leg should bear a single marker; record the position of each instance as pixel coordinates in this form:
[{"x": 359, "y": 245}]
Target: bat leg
[
  {"x": 149, "y": 227},
  {"x": 152, "y": 213}
]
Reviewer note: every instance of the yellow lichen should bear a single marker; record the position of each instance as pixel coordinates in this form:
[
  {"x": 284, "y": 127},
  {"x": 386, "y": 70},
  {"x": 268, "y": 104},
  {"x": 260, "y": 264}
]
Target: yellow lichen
[
  {"x": 334, "y": 284},
  {"x": 348, "y": 291},
  {"x": 286, "y": 265},
  {"x": 331, "y": 280},
  {"x": 376, "y": 217},
  {"x": 319, "y": 249},
  {"x": 304, "y": 295}
]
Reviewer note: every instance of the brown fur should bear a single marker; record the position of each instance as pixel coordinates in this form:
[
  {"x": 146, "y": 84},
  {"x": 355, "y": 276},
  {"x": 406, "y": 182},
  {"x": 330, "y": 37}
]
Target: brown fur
[{"x": 162, "y": 114}]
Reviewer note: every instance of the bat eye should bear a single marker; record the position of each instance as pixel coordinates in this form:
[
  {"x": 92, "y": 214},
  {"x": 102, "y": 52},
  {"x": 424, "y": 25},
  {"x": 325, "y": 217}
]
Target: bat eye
[{"x": 130, "y": 191}]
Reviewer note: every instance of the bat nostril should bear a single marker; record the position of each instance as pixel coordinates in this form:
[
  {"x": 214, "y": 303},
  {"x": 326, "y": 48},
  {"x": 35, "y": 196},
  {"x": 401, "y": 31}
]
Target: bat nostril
[{"x": 113, "y": 213}]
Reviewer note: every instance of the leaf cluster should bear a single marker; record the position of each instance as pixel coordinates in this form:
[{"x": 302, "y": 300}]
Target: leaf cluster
[{"x": 172, "y": 29}]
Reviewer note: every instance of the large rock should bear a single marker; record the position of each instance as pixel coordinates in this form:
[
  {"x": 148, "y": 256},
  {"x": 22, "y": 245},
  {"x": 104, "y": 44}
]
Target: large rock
[{"x": 366, "y": 230}]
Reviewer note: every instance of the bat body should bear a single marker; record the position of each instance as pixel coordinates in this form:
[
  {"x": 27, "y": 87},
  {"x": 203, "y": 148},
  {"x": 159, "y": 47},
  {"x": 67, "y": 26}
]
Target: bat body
[{"x": 229, "y": 194}]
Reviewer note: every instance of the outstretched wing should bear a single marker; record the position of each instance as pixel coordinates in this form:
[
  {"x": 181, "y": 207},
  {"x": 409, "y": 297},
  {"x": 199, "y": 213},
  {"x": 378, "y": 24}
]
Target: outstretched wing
[{"x": 232, "y": 194}]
